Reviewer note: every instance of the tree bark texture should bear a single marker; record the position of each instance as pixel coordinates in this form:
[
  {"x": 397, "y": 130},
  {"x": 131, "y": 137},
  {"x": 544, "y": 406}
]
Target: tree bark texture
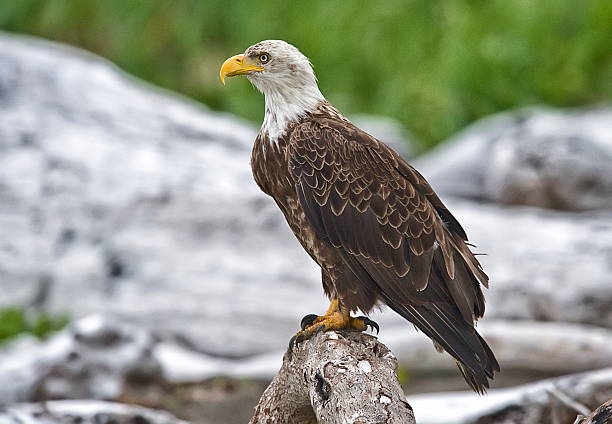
[
  {"x": 602, "y": 415},
  {"x": 333, "y": 378}
]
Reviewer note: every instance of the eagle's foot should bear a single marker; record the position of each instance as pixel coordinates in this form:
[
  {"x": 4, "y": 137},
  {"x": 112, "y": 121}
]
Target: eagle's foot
[
  {"x": 357, "y": 324},
  {"x": 335, "y": 320}
]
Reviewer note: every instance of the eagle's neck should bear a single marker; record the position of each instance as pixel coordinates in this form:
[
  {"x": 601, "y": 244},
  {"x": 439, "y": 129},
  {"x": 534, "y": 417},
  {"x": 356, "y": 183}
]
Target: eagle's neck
[{"x": 285, "y": 105}]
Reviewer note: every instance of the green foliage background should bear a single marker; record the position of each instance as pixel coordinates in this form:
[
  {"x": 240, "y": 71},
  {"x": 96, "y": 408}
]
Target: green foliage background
[
  {"x": 15, "y": 320},
  {"x": 434, "y": 65}
]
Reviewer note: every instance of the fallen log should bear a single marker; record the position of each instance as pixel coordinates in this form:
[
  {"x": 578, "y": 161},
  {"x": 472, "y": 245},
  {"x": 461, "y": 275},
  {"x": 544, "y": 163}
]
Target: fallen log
[{"x": 552, "y": 401}]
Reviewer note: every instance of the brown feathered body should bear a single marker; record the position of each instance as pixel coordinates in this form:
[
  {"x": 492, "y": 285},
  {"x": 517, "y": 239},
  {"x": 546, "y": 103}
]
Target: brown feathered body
[{"x": 378, "y": 231}]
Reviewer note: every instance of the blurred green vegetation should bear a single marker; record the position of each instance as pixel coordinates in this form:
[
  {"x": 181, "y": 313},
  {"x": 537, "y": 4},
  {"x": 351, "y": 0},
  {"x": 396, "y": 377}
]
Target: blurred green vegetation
[
  {"x": 403, "y": 376},
  {"x": 434, "y": 65},
  {"x": 14, "y": 321}
]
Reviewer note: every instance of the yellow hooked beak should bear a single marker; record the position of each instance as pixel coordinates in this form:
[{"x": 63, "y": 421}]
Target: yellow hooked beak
[{"x": 237, "y": 65}]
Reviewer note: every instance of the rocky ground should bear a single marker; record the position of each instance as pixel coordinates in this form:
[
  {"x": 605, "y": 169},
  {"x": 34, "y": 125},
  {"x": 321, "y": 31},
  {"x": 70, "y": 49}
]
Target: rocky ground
[{"x": 134, "y": 209}]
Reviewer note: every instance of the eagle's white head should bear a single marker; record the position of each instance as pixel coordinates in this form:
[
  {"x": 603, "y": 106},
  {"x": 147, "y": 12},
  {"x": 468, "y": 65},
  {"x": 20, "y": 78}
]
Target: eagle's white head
[{"x": 285, "y": 77}]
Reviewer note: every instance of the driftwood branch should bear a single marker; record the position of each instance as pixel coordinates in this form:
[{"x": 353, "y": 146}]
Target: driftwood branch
[
  {"x": 602, "y": 415},
  {"x": 336, "y": 378},
  {"x": 552, "y": 401}
]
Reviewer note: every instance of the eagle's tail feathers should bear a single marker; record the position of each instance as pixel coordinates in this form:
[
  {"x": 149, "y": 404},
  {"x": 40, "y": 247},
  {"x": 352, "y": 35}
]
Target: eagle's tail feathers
[{"x": 474, "y": 357}]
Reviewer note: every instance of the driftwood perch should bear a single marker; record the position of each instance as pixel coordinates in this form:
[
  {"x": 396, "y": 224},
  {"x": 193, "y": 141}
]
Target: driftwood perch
[{"x": 336, "y": 378}]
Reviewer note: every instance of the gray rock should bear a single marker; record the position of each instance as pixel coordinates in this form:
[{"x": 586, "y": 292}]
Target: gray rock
[
  {"x": 539, "y": 157},
  {"x": 95, "y": 358},
  {"x": 85, "y": 412}
]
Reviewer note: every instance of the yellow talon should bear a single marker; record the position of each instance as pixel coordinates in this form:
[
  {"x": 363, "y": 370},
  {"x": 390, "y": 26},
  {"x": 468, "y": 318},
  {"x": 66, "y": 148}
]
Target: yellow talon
[{"x": 336, "y": 318}]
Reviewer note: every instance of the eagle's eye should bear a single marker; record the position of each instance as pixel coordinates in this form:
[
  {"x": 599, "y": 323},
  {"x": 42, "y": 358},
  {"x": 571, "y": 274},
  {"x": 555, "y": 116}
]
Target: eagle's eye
[{"x": 264, "y": 58}]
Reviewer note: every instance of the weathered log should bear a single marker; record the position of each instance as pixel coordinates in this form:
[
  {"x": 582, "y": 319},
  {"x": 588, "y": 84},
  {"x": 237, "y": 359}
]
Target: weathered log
[
  {"x": 602, "y": 415},
  {"x": 336, "y": 377},
  {"x": 552, "y": 401}
]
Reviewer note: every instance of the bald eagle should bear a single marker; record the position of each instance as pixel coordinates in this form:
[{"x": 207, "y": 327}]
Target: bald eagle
[{"x": 372, "y": 223}]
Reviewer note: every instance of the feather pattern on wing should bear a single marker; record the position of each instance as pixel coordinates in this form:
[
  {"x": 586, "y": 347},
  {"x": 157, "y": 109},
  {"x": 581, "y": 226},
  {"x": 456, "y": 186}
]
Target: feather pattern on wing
[{"x": 394, "y": 234}]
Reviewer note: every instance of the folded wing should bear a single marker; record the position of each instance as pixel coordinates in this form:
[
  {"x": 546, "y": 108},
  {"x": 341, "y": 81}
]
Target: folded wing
[{"x": 394, "y": 234}]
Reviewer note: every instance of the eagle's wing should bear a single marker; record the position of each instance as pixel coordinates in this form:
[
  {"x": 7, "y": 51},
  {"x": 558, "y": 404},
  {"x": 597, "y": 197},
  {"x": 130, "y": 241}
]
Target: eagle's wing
[{"x": 394, "y": 234}]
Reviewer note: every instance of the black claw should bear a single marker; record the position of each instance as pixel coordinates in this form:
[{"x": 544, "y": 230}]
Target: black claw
[
  {"x": 292, "y": 342},
  {"x": 308, "y": 320},
  {"x": 369, "y": 323},
  {"x": 295, "y": 340}
]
